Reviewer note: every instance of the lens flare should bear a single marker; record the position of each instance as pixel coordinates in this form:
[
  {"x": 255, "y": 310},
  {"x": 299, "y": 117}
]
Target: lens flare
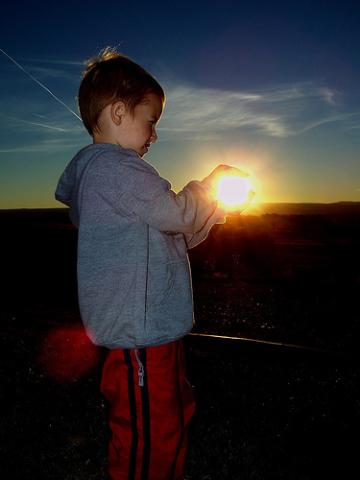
[
  {"x": 67, "y": 353},
  {"x": 234, "y": 192}
]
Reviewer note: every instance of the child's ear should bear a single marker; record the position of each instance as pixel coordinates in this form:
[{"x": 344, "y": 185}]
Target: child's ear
[{"x": 117, "y": 111}]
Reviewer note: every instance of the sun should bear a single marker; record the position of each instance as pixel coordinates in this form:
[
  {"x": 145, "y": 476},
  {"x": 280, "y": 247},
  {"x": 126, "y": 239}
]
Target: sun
[{"x": 234, "y": 192}]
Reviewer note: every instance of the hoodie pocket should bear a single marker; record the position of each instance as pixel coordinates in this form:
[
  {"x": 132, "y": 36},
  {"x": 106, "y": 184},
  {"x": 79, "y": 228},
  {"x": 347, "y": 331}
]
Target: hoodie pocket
[
  {"x": 170, "y": 307},
  {"x": 161, "y": 279}
]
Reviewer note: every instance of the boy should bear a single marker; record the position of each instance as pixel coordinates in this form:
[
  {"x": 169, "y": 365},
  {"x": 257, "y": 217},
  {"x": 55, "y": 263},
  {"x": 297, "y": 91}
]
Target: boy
[{"x": 134, "y": 279}]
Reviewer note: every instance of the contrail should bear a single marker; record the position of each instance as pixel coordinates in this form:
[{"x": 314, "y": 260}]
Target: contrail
[{"x": 40, "y": 84}]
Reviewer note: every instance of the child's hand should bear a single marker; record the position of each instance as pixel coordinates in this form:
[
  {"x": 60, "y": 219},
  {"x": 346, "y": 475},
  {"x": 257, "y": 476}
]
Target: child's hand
[
  {"x": 220, "y": 170},
  {"x": 238, "y": 210},
  {"x": 235, "y": 195}
]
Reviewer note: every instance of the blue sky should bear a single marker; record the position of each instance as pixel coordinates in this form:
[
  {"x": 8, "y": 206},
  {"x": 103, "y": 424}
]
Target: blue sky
[{"x": 271, "y": 87}]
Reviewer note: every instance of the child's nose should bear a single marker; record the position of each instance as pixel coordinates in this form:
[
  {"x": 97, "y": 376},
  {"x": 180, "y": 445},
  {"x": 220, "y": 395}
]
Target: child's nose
[{"x": 154, "y": 136}]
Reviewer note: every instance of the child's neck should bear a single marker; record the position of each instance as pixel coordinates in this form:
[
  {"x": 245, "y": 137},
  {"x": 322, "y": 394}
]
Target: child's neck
[{"x": 104, "y": 138}]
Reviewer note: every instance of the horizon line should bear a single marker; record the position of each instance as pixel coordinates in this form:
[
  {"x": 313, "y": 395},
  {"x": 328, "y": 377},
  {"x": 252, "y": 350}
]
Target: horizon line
[{"x": 340, "y": 202}]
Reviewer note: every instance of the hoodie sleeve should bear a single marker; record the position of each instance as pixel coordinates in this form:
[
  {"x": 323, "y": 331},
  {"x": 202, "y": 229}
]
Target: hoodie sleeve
[
  {"x": 66, "y": 191},
  {"x": 64, "y": 187},
  {"x": 193, "y": 239},
  {"x": 134, "y": 187}
]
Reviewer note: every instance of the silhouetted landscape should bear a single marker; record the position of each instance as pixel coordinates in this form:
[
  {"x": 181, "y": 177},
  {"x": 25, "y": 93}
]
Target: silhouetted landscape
[{"x": 278, "y": 401}]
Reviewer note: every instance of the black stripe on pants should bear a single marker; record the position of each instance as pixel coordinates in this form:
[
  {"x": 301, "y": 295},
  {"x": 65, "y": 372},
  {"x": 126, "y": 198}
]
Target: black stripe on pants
[
  {"x": 133, "y": 416},
  {"x": 146, "y": 418}
]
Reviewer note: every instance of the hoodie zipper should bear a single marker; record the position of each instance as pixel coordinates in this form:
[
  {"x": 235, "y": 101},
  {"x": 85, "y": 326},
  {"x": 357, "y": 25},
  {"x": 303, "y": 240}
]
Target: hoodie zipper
[
  {"x": 141, "y": 371},
  {"x": 147, "y": 275}
]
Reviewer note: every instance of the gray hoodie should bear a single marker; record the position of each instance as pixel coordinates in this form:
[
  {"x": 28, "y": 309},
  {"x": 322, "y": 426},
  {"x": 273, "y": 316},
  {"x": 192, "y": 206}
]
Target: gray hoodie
[{"x": 134, "y": 280}]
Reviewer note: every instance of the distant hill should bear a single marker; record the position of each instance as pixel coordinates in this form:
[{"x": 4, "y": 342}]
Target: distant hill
[{"x": 339, "y": 208}]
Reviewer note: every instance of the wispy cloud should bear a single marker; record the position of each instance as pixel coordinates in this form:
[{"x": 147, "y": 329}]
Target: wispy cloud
[
  {"x": 199, "y": 113},
  {"x": 193, "y": 112},
  {"x": 342, "y": 117},
  {"x": 45, "y": 60},
  {"x": 48, "y": 145},
  {"x": 55, "y": 132},
  {"x": 58, "y": 73},
  {"x": 331, "y": 96},
  {"x": 202, "y": 114},
  {"x": 42, "y": 148},
  {"x": 32, "y": 124}
]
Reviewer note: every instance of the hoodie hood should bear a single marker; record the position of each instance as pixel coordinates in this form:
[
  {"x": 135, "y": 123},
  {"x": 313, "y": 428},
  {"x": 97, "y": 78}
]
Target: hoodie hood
[
  {"x": 67, "y": 190},
  {"x": 67, "y": 187}
]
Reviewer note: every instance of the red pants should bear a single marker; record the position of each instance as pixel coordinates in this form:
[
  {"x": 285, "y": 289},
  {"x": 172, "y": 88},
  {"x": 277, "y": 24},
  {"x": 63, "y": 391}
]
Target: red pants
[{"x": 151, "y": 404}]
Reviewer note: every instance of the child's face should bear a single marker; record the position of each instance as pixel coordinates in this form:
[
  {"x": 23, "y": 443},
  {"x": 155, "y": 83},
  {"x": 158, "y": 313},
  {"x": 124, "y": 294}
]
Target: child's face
[{"x": 137, "y": 130}]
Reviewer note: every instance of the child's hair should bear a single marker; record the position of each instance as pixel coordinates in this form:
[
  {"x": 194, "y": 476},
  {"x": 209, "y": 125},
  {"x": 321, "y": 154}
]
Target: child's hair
[{"x": 109, "y": 77}]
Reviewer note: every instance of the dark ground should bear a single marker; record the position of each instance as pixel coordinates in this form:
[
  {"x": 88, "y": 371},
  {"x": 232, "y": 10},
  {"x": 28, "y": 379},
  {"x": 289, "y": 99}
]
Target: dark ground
[{"x": 264, "y": 412}]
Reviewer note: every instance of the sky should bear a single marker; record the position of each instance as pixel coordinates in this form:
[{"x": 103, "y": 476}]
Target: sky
[{"x": 269, "y": 87}]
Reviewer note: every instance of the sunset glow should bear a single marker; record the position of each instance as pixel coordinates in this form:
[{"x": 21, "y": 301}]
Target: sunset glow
[{"x": 294, "y": 123}]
